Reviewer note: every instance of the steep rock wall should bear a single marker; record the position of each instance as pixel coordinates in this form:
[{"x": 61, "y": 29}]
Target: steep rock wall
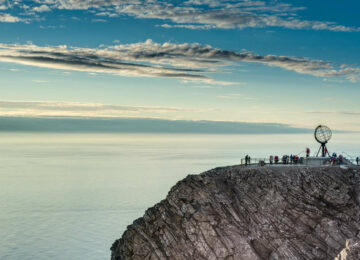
[{"x": 251, "y": 213}]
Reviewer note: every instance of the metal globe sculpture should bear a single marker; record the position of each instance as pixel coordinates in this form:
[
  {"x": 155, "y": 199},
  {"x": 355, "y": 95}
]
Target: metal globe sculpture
[{"x": 322, "y": 135}]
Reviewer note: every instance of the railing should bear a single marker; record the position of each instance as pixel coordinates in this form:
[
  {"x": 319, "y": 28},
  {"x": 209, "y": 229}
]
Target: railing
[
  {"x": 301, "y": 160},
  {"x": 256, "y": 161},
  {"x": 253, "y": 161},
  {"x": 351, "y": 161}
]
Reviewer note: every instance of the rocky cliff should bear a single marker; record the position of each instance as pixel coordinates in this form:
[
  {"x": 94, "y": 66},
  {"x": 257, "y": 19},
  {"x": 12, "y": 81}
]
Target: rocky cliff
[{"x": 252, "y": 213}]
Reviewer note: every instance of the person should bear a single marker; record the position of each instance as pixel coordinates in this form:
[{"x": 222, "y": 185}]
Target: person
[
  {"x": 246, "y": 160},
  {"x": 284, "y": 159},
  {"x": 249, "y": 159},
  {"x": 357, "y": 160},
  {"x": 340, "y": 159},
  {"x": 333, "y": 160},
  {"x": 291, "y": 159},
  {"x": 296, "y": 158},
  {"x": 325, "y": 151},
  {"x": 276, "y": 159},
  {"x": 307, "y": 152},
  {"x": 271, "y": 159}
]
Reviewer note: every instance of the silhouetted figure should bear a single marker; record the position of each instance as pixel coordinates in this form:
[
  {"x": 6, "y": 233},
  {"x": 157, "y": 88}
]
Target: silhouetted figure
[
  {"x": 246, "y": 159},
  {"x": 291, "y": 158},
  {"x": 276, "y": 159},
  {"x": 296, "y": 159},
  {"x": 249, "y": 158},
  {"x": 308, "y": 152},
  {"x": 340, "y": 159},
  {"x": 357, "y": 160},
  {"x": 271, "y": 159}
]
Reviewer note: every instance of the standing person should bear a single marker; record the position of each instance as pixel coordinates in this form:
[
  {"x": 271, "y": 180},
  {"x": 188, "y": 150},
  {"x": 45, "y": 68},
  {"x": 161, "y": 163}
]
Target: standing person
[
  {"x": 296, "y": 158},
  {"x": 276, "y": 159},
  {"x": 307, "y": 152},
  {"x": 333, "y": 160},
  {"x": 249, "y": 158},
  {"x": 357, "y": 160},
  {"x": 271, "y": 159},
  {"x": 340, "y": 159},
  {"x": 246, "y": 160},
  {"x": 291, "y": 159}
]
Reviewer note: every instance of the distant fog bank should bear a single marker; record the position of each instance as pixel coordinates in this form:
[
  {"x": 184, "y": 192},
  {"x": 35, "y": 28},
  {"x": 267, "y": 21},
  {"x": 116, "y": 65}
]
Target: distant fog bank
[{"x": 140, "y": 125}]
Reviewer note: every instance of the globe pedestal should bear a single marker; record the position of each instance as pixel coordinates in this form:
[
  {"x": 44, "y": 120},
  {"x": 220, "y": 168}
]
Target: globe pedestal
[
  {"x": 323, "y": 150},
  {"x": 322, "y": 135}
]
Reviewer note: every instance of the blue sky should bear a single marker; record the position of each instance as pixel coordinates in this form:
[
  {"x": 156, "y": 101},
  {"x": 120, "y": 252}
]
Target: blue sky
[{"x": 288, "y": 62}]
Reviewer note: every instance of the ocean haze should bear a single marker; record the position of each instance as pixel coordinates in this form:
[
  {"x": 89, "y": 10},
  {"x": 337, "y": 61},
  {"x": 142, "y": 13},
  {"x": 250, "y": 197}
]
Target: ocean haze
[
  {"x": 70, "y": 195},
  {"x": 141, "y": 125}
]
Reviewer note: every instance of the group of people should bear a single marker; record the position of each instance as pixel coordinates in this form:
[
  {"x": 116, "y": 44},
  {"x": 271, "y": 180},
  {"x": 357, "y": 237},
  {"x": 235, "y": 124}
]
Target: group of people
[
  {"x": 295, "y": 159},
  {"x": 247, "y": 160},
  {"x": 286, "y": 159},
  {"x": 334, "y": 159}
]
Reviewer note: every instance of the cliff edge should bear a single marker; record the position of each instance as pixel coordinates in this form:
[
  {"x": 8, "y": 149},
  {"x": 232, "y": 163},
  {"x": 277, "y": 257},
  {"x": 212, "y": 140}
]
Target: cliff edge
[{"x": 252, "y": 213}]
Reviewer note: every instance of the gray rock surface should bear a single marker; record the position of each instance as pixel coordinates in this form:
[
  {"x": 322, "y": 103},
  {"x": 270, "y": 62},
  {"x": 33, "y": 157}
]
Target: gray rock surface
[
  {"x": 252, "y": 213},
  {"x": 351, "y": 250}
]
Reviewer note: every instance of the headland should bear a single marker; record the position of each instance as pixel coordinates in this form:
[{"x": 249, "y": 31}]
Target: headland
[{"x": 238, "y": 212}]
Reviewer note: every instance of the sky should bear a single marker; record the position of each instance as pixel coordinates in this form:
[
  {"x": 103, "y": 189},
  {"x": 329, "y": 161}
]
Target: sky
[{"x": 288, "y": 63}]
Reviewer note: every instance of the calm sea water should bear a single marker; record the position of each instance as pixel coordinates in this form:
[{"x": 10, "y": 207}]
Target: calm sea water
[{"x": 69, "y": 196}]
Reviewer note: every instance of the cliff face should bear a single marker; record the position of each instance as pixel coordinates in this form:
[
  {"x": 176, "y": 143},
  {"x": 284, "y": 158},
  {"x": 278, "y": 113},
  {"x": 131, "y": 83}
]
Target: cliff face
[{"x": 252, "y": 213}]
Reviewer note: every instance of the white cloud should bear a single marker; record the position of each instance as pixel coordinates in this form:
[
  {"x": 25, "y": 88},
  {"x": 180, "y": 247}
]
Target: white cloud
[
  {"x": 99, "y": 20},
  {"x": 233, "y": 96},
  {"x": 188, "y": 62},
  {"x": 42, "y": 8},
  {"x": 8, "y": 18},
  {"x": 333, "y": 112},
  {"x": 106, "y": 60},
  {"x": 200, "y": 14},
  {"x": 3, "y": 5},
  {"x": 77, "y": 109}
]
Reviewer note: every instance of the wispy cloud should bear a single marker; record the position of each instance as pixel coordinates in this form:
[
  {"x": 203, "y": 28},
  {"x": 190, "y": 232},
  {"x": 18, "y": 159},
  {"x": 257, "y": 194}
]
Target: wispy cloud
[
  {"x": 99, "y": 20},
  {"x": 335, "y": 112},
  {"x": 119, "y": 60},
  {"x": 40, "y": 81},
  {"x": 78, "y": 109},
  {"x": 232, "y": 96},
  {"x": 188, "y": 62},
  {"x": 195, "y": 14}
]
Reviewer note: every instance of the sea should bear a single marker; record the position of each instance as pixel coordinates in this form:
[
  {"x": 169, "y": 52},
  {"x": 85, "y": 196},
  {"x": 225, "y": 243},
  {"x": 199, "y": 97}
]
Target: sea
[{"x": 70, "y": 196}]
